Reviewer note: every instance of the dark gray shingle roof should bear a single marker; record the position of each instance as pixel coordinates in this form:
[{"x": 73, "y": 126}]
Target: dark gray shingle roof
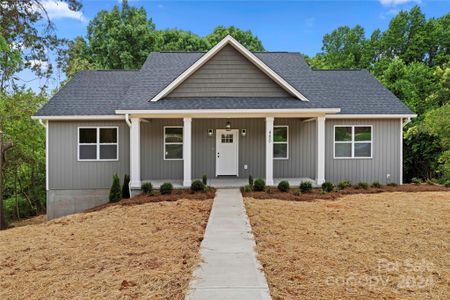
[{"x": 102, "y": 92}]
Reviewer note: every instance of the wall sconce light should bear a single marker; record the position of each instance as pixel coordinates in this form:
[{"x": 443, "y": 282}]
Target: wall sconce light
[
  {"x": 210, "y": 132},
  {"x": 228, "y": 125},
  {"x": 243, "y": 132}
]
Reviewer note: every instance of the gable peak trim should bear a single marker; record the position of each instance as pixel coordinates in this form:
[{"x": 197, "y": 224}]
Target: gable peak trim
[{"x": 229, "y": 40}]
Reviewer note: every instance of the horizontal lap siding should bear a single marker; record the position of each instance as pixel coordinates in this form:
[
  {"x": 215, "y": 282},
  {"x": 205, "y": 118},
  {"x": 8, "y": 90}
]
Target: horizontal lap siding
[
  {"x": 153, "y": 165},
  {"x": 386, "y": 154},
  {"x": 66, "y": 172},
  {"x": 228, "y": 74},
  {"x": 251, "y": 147},
  {"x": 302, "y": 150}
]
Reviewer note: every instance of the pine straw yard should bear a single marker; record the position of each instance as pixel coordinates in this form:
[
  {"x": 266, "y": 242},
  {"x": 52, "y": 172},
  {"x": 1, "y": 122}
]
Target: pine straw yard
[
  {"x": 364, "y": 246},
  {"x": 145, "y": 251}
]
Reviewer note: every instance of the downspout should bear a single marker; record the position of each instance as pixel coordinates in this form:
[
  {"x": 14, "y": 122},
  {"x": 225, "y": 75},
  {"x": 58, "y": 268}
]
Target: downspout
[{"x": 127, "y": 119}]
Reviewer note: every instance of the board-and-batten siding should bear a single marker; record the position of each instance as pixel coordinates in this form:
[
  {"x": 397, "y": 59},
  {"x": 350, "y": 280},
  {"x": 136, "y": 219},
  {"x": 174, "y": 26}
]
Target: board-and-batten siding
[
  {"x": 386, "y": 154},
  {"x": 302, "y": 150},
  {"x": 228, "y": 74},
  {"x": 153, "y": 165},
  {"x": 66, "y": 172}
]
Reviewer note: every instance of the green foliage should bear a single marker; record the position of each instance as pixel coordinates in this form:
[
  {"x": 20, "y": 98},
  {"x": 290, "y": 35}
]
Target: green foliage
[
  {"x": 344, "y": 184},
  {"x": 283, "y": 186},
  {"x": 362, "y": 185},
  {"x": 416, "y": 180},
  {"x": 147, "y": 188},
  {"x": 205, "y": 179},
  {"x": 246, "y": 188},
  {"x": 259, "y": 185},
  {"x": 176, "y": 40},
  {"x": 126, "y": 187},
  {"x": 296, "y": 193},
  {"x": 376, "y": 184},
  {"x": 246, "y": 38},
  {"x": 17, "y": 209},
  {"x": 115, "y": 193},
  {"x": 197, "y": 186},
  {"x": 327, "y": 186},
  {"x": 250, "y": 180},
  {"x": 305, "y": 186},
  {"x": 166, "y": 188}
]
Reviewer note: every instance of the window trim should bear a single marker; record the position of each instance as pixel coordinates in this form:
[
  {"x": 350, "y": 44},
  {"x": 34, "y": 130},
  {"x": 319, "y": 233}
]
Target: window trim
[
  {"x": 287, "y": 142},
  {"x": 97, "y": 143},
  {"x": 172, "y": 143},
  {"x": 353, "y": 142}
]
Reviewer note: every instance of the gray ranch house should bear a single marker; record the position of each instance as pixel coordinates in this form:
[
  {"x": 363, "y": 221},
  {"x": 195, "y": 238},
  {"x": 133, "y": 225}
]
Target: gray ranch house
[{"x": 227, "y": 113}]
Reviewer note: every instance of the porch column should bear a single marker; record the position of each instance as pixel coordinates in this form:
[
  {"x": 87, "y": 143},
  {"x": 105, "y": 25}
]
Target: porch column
[
  {"x": 135, "y": 153},
  {"x": 187, "y": 141},
  {"x": 269, "y": 150},
  {"x": 320, "y": 176}
]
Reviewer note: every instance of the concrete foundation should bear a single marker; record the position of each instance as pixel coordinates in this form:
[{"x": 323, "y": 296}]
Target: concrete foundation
[{"x": 66, "y": 202}]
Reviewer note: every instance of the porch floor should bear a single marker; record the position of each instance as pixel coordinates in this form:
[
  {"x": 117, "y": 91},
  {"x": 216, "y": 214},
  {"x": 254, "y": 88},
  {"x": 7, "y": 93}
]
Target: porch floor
[{"x": 230, "y": 182}]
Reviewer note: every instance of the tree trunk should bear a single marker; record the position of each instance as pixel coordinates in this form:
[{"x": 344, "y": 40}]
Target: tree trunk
[
  {"x": 17, "y": 196},
  {"x": 2, "y": 213}
]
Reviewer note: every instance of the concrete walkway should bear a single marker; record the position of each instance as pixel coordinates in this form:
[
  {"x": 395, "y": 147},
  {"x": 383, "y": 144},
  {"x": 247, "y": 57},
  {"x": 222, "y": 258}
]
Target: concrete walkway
[{"x": 229, "y": 269}]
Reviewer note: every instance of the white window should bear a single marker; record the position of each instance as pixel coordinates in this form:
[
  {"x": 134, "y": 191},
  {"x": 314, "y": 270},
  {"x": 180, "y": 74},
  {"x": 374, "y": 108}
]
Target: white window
[
  {"x": 98, "y": 143},
  {"x": 352, "y": 141},
  {"x": 280, "y": 142},
  {"x": 173, "y": 143}
]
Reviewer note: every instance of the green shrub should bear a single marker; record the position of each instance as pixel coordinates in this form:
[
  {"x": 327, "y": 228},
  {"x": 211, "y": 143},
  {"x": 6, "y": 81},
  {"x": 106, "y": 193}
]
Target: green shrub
[
  {"x": 126, "y": 187},
  {"x": 376, "y": 184},
  {"x": 447, "y": 184},
  {"x": 283, "y": 186},
  {"x": 327, "y": 186},
  {"x": 305, "y": 186},
  {"x": 246, "y": 189},
  {"x": 205, "y": 180},
  {"x": 147, "y": 187},
  {"x": 391, "y": 184},
  {"x": 362, "y": 185},
  {"x": 344, "y": 184},
  {"x": 250, "y": 180},
  {"x": 416, "y": 180},
  {"x": 259, "y": 185},
  {"x": 296, "y": 193},
  {"x": 10, "y": 208},
  {"x": 115, "y": 193},
  {"x": 268, "y": 190},
  {"x": 166, "y": 188},
  {"x": 197, "y": 186}
]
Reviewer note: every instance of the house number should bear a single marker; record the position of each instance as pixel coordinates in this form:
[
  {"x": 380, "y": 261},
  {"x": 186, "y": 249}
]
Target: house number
[{"x": 270, "y": 136}]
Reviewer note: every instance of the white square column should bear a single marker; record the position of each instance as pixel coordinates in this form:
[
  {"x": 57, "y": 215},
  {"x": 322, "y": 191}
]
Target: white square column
[
  {"x": 269, "y": 150},
  {"x": 187, "y": 155},
  {"x": 135, "y": 153},
  {"x": 320, "y": 175}
]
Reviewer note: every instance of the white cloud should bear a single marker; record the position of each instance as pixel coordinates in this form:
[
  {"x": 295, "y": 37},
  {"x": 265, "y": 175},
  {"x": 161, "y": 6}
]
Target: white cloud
[
  {"x": 60, "y": 10},
  {"x": 43, "y": 65},
  {"x": 397, "y": 2}
]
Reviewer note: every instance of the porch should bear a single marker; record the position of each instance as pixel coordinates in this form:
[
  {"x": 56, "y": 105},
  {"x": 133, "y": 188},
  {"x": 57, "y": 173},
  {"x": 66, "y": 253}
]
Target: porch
[{"x": 227, "y": 148}]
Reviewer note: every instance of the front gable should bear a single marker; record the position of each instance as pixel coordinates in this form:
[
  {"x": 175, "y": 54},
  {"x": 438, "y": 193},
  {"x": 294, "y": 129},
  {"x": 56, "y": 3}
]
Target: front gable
[
  {"x": 229, "y": 70},
  {"x": 228, "y": 74}
]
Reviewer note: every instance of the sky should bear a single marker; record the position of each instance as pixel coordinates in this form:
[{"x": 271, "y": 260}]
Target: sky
[{"x": 296, "y": 25}]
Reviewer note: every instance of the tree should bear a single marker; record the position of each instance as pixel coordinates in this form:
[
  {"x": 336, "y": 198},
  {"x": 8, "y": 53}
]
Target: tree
[
  {"x": 21, "y": 30},
  {"x": 180, "y": 40},
  {"x": 246, "y": 38}
]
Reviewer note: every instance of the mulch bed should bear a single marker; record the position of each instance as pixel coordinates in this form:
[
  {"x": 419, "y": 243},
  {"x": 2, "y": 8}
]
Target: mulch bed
[
  {"x": 158, "y": 197},
  {"x": 316, "y": 193}
]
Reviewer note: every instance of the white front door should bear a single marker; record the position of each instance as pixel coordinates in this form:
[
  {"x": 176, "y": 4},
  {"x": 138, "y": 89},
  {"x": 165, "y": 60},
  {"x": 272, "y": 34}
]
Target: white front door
[{"x": 227, "y": 149}]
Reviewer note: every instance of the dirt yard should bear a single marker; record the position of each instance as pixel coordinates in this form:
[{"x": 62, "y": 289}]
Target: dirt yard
[
  {"x": 364, "y": 246},
  {"x": 145, "y": 251}
]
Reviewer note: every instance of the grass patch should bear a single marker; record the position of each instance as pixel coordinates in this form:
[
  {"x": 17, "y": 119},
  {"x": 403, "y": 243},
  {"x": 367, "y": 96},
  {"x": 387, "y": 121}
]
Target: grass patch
[{"x": 308, "y": 248}]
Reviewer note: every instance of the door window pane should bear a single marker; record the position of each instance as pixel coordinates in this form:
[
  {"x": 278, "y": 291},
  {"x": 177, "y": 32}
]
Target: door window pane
[
  {"x": 343, "y": 134},
  {"x": 88, "y": 152},
  {"x": 280, "y": 134},
  {"x": 363, "y": 134},
  {"x": 108, "y": 135},
  {"x": 343, "y": 149},
  {"x": 174, "y": 135},
  {"x": 227, "y": 138},
  {"x": 88, "y": 135},
  {"x": 174, "y": 151},
  {"x": 363, "y": 149},
  {"x": 280, "y": 150}
]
